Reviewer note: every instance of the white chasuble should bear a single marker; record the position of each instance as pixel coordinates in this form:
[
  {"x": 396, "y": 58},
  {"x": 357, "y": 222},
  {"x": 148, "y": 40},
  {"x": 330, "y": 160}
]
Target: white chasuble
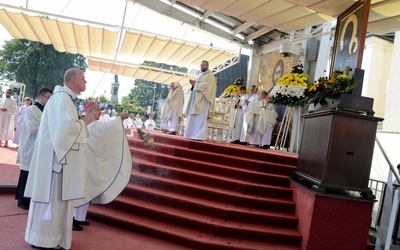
[
  {"x": 108, "y": 162},
  {"x": 201, "y": 100},
  {"x": 56, "y": 175},
  {"x": 58, "y": 147}
]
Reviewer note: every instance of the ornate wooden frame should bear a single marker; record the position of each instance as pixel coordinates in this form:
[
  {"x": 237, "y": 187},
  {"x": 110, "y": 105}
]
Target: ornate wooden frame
[{"x": 356, "y": 15}]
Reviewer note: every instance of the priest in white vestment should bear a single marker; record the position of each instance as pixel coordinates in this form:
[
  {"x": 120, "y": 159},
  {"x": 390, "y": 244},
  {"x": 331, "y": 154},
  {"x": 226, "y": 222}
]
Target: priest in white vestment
[
  {"x": 115, "y": 115},
  {"x": 172, "y": 109},
  {"x": 7, "y": 112},
  {"x": 201, "y": 100},
  {"x": 57, "y": 175},
  {"x": 29, "y": 129},
  {"x": 128, "y": 123},
  {"x": 244, "y": 134},
  {"x": 264, "y": 121},
  {"x": 104, "y": 117},
  {"x": 240, "y": 109},
  {"x": 20, "y": 117},
  {"x": 107, "y": 168},
  {"x": 137, "y": 121},
  {"x": 150, "y": 124}
]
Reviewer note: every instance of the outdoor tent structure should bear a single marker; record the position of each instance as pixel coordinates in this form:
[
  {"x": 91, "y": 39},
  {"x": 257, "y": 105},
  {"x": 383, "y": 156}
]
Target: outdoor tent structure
[
  {"x": 247, "y": 24},
  {"x": 124, "y": 47}
]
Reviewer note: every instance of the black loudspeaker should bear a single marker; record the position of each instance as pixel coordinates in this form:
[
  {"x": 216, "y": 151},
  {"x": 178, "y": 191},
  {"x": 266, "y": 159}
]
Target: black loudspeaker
[{"x": 358, "y": 76}]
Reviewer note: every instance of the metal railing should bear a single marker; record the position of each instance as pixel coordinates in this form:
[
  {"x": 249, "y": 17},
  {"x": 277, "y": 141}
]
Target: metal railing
[{"x": 378, "y": 189}]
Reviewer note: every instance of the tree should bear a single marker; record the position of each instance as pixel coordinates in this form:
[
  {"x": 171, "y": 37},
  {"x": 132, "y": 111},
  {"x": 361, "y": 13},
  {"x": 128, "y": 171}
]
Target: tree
[
  {"x": 103, "y": 99},
  {"x": 36, "y": 65},
  {"x": 143, "y": 93}
]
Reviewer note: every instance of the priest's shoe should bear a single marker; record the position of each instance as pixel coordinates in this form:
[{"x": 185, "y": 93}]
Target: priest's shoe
[
  {"x": 77, "y": 228},
  {"x": 23, "y": 207},
  {"x": 58, "y": 247},
  {"x": 82, "y": 223}
]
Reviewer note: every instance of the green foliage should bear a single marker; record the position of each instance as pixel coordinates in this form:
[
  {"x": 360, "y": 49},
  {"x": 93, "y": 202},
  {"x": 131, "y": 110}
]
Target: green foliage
[
  {"x": 103, "y": 99},
  {"x": 330, "y": 87},
  {"x": 36, "y": 65},
  {"x": 131, "y": 108}
]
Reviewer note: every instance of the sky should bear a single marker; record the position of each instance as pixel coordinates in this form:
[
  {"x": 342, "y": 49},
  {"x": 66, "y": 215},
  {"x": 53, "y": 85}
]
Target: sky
[{"x": 112, "y": 12}]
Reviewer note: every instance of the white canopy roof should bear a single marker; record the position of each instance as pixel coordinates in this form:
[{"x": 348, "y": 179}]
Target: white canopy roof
[
  {"x": 102, "y": 44},
  {"x": 239, "y": 21}
]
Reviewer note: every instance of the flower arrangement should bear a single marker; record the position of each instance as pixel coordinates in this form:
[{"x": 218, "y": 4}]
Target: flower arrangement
[
  {"x": 232, "y": 89},
  {"x": 330, "y": 87},
  {"x": 290, "y": 90}
]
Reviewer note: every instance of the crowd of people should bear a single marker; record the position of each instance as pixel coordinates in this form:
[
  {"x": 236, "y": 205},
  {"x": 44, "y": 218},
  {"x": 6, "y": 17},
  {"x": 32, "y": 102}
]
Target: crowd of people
[
  {"x": 200, "y": 102},
  {"x": 197, "y": 112},
  {"x": 133, "y": 121},
  {"x": 255, "y": 118},
  {"x": 65, "y": 164}
]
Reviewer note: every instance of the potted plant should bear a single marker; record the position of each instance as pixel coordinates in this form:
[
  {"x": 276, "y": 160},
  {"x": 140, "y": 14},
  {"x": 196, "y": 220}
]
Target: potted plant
[{"x": 326, "y": 92}]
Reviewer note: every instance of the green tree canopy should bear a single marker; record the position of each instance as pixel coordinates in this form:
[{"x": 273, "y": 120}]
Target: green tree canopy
[{"x": 36, "y": 65}]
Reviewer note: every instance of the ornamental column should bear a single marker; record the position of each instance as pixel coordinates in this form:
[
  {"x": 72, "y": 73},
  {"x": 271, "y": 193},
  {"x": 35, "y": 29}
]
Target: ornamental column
[
  {"x": 252, "y": 70},
  {"x": 114, "y": 90},
  {"x": 392, "y": 111}
]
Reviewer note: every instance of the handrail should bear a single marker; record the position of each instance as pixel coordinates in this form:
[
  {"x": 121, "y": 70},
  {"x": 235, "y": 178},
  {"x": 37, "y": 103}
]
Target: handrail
[{"x": 396, "y": 175}]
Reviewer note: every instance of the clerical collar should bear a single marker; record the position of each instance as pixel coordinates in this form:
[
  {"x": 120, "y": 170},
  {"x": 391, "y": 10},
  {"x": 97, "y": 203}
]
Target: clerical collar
[
  {"x": 39, "y": 105},
  {"x": 70, "y": 92}
]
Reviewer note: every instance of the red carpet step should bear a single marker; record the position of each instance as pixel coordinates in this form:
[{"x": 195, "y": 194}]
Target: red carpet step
[{"x": 205, "y": 195}]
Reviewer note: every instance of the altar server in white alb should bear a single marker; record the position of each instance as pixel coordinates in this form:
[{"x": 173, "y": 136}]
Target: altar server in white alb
[
  {"x": 104, "y": 116},
  {"x": 107, "y": 168},
  {"x": 264, "y": 117},
  {"x": 137, "y": 121},
  {"x": 244, "y": 134},
  {"x": 201, "y": 101},
  {"x": 29, "y": 129},
  {"x": 20, "y": 117},
  {"x": 172, "y": 108},
  {"x": 240, "y": 107},
  {"x": 56, "y": 177},
  {"x": 150, "y": 124},
  {"x": 7, "y": 111}
]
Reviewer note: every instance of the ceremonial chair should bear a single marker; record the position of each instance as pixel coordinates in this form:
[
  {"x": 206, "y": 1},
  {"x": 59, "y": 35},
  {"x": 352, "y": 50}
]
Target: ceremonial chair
[{"x": 221, "y": 120}]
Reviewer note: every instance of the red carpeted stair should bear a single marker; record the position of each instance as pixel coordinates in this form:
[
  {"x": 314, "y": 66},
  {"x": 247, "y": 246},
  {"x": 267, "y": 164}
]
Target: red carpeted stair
[{"x": 207, "y": 196}]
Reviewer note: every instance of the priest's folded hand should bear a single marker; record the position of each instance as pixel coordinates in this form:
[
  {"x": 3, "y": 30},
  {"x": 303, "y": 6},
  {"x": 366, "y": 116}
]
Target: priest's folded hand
[
  {"x": 88, "y": 118},
  {"x": 192, "y": 82}
]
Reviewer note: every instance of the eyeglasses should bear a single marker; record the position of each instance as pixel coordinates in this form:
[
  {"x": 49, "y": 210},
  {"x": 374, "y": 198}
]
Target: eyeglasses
[{"x": 48, "y": 97}]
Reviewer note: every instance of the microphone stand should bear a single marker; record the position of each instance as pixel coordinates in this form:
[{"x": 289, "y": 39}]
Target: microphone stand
[{"x": 236, "y": 111}]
